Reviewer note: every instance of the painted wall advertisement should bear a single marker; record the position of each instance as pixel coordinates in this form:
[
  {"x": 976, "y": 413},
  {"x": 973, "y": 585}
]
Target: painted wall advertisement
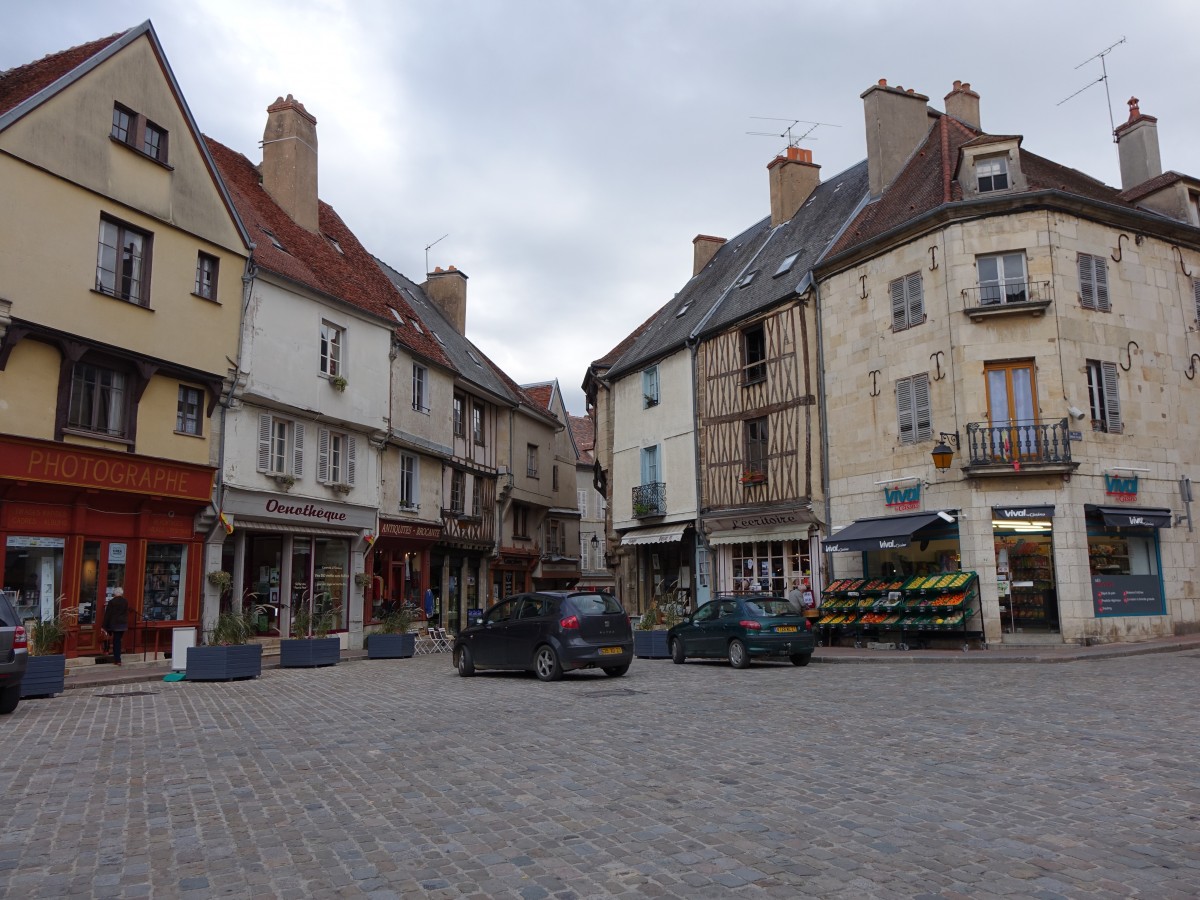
[{"x": 1127, "y": 595}]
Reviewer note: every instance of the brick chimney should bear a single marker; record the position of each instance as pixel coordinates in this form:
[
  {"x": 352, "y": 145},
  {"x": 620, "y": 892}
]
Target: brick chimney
[
  {"x": 793, "y": 178},
  {"x": 447, "y": 288},
  {"x": 1137, "y": 147},
  {"x": 897, "y": 122},
  {"x": 704, "y": 248},
  {"x": 289, "y": 166},
  {"x": 963, "y": 104}
]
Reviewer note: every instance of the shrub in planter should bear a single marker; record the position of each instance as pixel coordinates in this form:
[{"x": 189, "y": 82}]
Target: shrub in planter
[
  {"x": 650, "y": 637},
  {"x": 46, "y": 671},
  {"x": 309, "y": 647},
  {"x": 392, "y": 640},
  {"x": 228, "y": 654}
]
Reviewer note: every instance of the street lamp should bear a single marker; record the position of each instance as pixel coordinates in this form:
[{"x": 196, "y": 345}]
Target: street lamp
[{"x": 943, "y": 453}]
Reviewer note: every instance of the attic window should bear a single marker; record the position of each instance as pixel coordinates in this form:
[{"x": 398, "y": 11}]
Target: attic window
[
  {"x": 438, "y": 337},
  {"x": 416, "y": 325},
  {"x": 336, "y": 245},
  {"x": 395, "y": 315},
  {"x": 274, "y": 240},
  {"x": 683, "y": 309},
  {"x": 474, "y": 359},
  {"x": 992, "y": 174},
  {"x": 748, "y": 278},
  {"x": 786, "y": 265}
]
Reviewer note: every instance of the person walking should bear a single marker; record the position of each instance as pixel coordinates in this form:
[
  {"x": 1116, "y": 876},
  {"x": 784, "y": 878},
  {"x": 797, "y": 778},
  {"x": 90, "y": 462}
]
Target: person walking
[{"x": 116, "y": 621}]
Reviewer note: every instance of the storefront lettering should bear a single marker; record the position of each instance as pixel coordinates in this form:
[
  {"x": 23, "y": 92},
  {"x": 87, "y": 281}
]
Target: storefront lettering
[
  {"x": 902, "y": 498},
  {"x": 1124, "y": 489},
  {"x": 891, "y": 545},
  {"x": 763, "y": 520},
  {"x": 100, "y": 470},
  {"x": 307, "y": 511}
]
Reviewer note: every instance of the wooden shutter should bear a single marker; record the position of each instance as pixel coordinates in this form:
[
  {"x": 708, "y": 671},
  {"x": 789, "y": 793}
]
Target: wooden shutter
[
  {"x": 264, "y": 443},
  {"x": 323, "y": 455},
  {"x": 922, "y": 425},
  {"x": 1196, "y": 296},
  {"x": 1093, "y": 282},
  {"x": 916, "y": 298},
  {"x": 1100, "y": 274},
  {"x": 899, "y": 311},
  {"x": 904, "y": 409},
  {"x": 1112, "y": 397},
  {"x": 297, "y": 449},
  {"x": 351, "y": 450}
]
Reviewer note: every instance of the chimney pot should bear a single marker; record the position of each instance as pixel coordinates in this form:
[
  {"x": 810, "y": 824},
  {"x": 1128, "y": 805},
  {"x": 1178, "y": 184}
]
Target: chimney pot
[
  {"x": 289, "y": 166},
  {"x": 963, "y": 104},
  {"x": 447, "y": 288},
  {"x": 883, "y": 82},
  {"x": 1137, "y": 147},
  {"x": 793, "y": 178}
]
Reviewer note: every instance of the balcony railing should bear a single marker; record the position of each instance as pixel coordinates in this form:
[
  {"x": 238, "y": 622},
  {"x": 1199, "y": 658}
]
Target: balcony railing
[
  {"x": 1039, "y": 446},
  {"x": 650, "y": 499},
  {"x": 1008, "y": 298}
]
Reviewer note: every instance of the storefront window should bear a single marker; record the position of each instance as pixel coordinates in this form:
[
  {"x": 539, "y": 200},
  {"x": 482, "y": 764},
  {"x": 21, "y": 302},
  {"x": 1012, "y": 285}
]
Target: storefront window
[
  {"x": 770, "y": 567},
  {"x": 331, "y": 565},
  {"x": 33, "y": 575},
  {"x": 1025, "y": 581},
  {"x": 1121, "y": 554},
  {"x": 261, "y": 591},
  {"x": 1125, "y": 573},
  {"x": 166, "y": 575}
]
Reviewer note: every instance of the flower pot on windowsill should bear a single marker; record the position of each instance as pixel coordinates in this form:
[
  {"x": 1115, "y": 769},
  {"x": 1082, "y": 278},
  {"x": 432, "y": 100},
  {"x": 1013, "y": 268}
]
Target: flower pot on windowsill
[
  {"x": 284, "y": 481},
  {"x": 340, "y": 488},
  {"x": 338, "y": 383},
  {"x": 748, "y": 478}
]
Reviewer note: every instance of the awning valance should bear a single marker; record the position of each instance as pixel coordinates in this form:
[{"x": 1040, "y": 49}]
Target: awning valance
[
  {"x": 1023, "y": 512},
  {"x": 1131, "y": 516},
  {"x": 288, "y": 528},
  {"x": 885, "y": 533},
  {"x": 663, "y": 534},
  {"x": 769, "y": 533}
]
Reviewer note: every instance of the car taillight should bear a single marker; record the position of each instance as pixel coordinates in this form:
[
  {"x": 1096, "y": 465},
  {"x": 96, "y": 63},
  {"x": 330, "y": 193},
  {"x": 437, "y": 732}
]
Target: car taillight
[
  {"x": 570, "y": 622},
  {"x": 808, "y": 624},
  {"x": 20, "y": 639},
  {"x": 751, "y": 624}
]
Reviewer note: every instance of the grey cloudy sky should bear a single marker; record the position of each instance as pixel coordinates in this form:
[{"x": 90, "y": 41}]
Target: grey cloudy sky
[{"x": 571, "y": 149}]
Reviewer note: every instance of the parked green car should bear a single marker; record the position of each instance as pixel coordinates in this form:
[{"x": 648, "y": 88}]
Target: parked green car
[{"x": 740, "y": 628}]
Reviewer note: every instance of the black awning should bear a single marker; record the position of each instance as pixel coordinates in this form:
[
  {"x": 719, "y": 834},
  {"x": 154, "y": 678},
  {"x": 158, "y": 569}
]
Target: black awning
[
  {"x": 1131, "y": 516},
  {"x": 1022, "y": 512},
  {"x": 886, "y": 533}
]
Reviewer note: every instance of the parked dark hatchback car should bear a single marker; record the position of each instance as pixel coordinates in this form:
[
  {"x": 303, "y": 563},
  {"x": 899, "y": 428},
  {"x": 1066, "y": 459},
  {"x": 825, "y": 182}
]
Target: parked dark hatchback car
[
  {"x": 742, "y": 628},
  {"x": 548, "y": 633},
  {"x": 14, "y": 656}
]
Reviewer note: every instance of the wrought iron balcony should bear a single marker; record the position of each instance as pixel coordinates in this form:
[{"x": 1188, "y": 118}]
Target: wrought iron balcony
[
  {"x": 1029, "y": 447},
  {"x": 1009, "y": 298},
  {"x": 650, "y": 500}
]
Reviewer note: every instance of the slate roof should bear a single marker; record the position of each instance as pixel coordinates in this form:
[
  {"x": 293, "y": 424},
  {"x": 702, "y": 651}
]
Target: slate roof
[
  {"x": 21, "y": 83},
  {"x": 311, "y": 260}
]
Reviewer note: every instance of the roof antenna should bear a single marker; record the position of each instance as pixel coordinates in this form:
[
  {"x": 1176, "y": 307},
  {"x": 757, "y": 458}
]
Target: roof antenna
[
  {"x": 792, "y": 140},
  {"x": 427, "y": 246},
  {"x": 1103, "y": 78}
]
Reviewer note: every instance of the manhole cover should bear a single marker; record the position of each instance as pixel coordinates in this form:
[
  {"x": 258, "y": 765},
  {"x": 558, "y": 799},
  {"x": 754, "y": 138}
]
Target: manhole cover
[
  {"x": 620, "y": 692},
  {"x": 128, "y": 694}
]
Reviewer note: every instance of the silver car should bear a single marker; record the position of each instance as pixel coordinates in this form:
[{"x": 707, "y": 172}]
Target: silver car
[{"x": 14, "y": 656}]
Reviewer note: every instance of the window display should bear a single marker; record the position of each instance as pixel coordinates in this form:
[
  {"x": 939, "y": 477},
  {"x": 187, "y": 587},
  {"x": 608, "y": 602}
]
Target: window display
[
  {"x": 769, "y": 567},
  {"x": 33, "y": 575},
  {"x": 166, "y": 575}
]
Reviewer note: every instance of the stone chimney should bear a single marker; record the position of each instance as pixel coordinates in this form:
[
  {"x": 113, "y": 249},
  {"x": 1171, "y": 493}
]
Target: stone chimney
[
  {"x": 963, "y": 104},
  {"x": 704, "y": 248},
  {"x": 447, "y": 288},
  {"x": 289, "y": 166},
  {"x": 897, "y": 122},
  {"x": 793, "y": 178},
  {"x": 1137, "y": 147}
]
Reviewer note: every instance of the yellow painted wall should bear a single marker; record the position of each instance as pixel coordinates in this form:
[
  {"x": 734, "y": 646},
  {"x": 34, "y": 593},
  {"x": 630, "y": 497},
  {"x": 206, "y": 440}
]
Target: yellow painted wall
[
  {"x": 156, "y": 434},
  {"x": 29, "y": 391}
]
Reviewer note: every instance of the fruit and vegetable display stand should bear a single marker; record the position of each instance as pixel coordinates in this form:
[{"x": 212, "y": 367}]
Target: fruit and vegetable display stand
[{"x": 915, "y": 610}]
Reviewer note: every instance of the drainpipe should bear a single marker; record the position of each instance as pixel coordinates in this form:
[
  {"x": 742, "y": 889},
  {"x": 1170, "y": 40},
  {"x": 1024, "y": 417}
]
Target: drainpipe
[
  {"x": 693, "y": 344},
  {"x": 821, "y": 411}
]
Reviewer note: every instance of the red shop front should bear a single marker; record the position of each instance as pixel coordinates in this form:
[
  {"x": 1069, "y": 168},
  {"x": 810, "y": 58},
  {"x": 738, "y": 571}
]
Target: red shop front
[
  {"x": 77, "y": 522},
  {"x": 401, "y": 566}
]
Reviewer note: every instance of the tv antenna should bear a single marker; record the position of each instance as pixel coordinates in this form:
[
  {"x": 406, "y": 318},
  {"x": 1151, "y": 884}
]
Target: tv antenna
[
  {"x": 793, "y": 140},
  {"x": 427, "y": 246},
  {"x": 1103, "y": 78}
]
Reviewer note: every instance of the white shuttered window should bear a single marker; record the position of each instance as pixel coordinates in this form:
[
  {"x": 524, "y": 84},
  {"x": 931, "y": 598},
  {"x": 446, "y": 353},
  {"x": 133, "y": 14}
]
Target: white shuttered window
[
  {"x": 1093, "y": 282},
  {"x": 912, "y": 409},
  {"x": 908, "y": 301},
  {"x": 1104, "y": 396},
  {"x": 280, "y": 446}
]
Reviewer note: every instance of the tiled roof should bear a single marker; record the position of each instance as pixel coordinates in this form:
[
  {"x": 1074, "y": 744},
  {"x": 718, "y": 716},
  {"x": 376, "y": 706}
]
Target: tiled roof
[
  {"x": 22, "y": 82},
  {"x": 542, "y": 394},
  {"x": 1146, "y": 188},
  {"x": 584, "y": 433},
  {"x": 349, "y": 275}
]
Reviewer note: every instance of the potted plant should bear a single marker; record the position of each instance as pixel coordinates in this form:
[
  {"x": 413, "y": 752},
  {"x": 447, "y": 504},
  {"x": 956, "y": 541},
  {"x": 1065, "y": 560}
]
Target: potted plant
[
  {"x": 222, "y": 581},
  {"x": 227, "y": 653},
  {"x": 392, "y": 639},
  {"x": 650, "y": 636},
  {"x": 339, "y": 383},
  {"x": 46, "y": 671},
  {"x": 641, "y": 508},
  {"x": 310, "y": 646},
  {"x": 285, "y": 481},
  {"x": 753, "y": 476}
]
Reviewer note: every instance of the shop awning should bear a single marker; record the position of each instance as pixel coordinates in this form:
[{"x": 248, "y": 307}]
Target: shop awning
[
  {"x": 770, "y": 533},
  {"x": 1023, "y": 512},
  {"x": 288, "y": 528},
  {"x": 886, "y": 533},
  {"x": 1131, "y": 516},
  {"x": 663, "y": 534}
]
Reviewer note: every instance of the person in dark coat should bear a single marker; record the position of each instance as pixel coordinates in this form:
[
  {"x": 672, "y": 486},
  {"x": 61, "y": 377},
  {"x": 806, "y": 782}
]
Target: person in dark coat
[{"x": 116, "y": 621}]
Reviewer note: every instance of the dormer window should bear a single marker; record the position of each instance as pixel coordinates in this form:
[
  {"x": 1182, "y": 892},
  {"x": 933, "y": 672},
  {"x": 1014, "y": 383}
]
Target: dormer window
[
  {"x": 992, "y": 174},
  {"x": 786, "y": 265}
]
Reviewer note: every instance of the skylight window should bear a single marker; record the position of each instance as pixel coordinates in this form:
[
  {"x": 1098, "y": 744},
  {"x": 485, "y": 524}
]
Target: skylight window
[
  {"x": 786, "y": 265},
  {"x": 438, "y": 337},
  {"x": 416, "y": 325},
  {"x": 748, "y": 279},
  {"x": 395, "y": 315},
  {"x": 336, "y": 245},
  {"x": 683, "y": 309},
  {"x": 474, "y": 359},
  {"x": 274, "y": 240}
]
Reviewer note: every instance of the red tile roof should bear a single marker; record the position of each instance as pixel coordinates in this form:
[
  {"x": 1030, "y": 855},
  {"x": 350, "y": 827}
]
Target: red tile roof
[
  {"x": 542, "y": 393},
  {"x": 584, "y": 432},
  {"x": 311, "y": 259},
  {"x": 22, "y": 82},
  {"x": 1157, "y": 183}
]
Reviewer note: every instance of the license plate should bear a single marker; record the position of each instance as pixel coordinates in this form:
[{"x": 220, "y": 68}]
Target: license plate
[
  {"x": 610, "y": 651},
  {"x": 786, "y": 628}
]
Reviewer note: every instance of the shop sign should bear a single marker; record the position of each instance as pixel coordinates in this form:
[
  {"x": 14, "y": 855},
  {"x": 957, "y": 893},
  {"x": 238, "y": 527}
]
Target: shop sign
[
  {"x": 408, "y": 530},
  {"x": 902, "y": 497},
  {"x": 298, "y": 511},
  {"x": 758, "y": 520},
  {"x": 1127, "y": 595},
  {"x": 116, "y": 554},
  {"x": 21, "y": 541},
  {"x": 36, "y": 517},
  {"x": 1023, "y": 512},
  {"x": 1123, "y": 490}
]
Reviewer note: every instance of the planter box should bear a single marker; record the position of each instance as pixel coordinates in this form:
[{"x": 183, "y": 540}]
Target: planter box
[
  {"x": 224, "y": 663},
  {"x": 650, "y": 645},
  {"x": 391, "y": 646},
  {"x": 44, "y": 676},
  {"x": 308, "y": 653}
]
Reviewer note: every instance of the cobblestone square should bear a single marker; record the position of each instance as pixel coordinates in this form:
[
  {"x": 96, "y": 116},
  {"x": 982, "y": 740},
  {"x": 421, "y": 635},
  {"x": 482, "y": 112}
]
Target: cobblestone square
[{"x": 400, "y": 779}]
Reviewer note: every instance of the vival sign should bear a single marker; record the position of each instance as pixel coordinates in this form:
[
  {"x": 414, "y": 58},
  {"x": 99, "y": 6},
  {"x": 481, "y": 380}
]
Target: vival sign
[
  {"x": 902, "y": 497},
  {"x": 1121, "y": 489}
]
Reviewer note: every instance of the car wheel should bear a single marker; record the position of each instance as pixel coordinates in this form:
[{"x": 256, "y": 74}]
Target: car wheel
[
  {"x": 677, "y": 655},
  {"x": 10, "y": 698},
  {"x": 465, "y": 662},
  {"x": 739, "y": 657},
  {"x": 616, "y": 671},
  {"x": 801, "y": 659},
  {"x": 546, "y": 665}
]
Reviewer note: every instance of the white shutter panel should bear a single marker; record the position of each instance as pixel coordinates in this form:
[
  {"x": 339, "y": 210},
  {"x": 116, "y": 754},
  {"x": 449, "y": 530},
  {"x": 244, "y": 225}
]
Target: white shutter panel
[
  {"x": 899, "y": 313},
  {"x": 921, "y": 419},
  {"x": 323, "y": 455},
  {"x": 916, "y": 298},
  {"x": 297, "y": 449},
  {"x": 904, "y": 410},
  {"x": 1112, "y": 397},
  {"x": 1087, "y": 284},
  {"x": 264, "y": 443},
  {"x": 1196, "y": 294},
  {"x": 351, "y": 449},
  {"x": 1100, "y": 274}
]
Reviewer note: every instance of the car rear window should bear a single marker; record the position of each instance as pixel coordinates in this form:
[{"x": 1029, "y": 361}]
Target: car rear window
[
  {"x": 595, "y": 604},
  {"x": 8, "y": 615},
  {"x": 770, "y": 608}
]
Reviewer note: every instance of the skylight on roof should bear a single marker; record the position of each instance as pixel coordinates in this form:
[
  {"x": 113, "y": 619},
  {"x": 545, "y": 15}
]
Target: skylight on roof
[
  {"x": 438, "y": 337},
  {"x": 395, "y": 315},
  {"x": 471, "y": 354},
  {"x": 786, "y": 265},
  {"x": 748, "y": 278},
  {"x": 416, "y": 325},
  {"x": 274, "y": 240},
  {"x": 682, "y": 310},
  {"x": 336, "y": 245}
]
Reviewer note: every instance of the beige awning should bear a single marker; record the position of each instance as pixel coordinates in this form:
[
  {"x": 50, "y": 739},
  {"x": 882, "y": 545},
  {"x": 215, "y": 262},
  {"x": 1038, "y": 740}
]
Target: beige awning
[
  {"x": 790, "y": 532},
  {"x": 663, "y": 534}
]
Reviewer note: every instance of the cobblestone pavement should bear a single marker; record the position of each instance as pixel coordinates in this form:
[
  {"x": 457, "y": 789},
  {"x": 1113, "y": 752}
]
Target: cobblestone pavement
[{"x": 399, "y": 779}]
